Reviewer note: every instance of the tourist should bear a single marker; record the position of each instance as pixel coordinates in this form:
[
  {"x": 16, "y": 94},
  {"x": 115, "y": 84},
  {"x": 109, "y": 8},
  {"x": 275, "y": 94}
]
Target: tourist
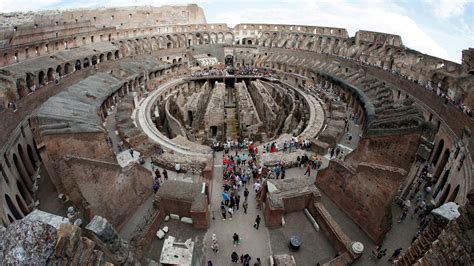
[
  {"x": 223, "y": 211},
  {"x": 231, "y": 212},
  {"x": 131, "y": 152},
  {"x": 382, "y": 253},
  {"x": 157, "y": 175},
  {"x": 403, "y": 215},
  {"x": 245, "y": 206},
  {"x": 376, "y": 251},
  {"x": 237, "y": 201},
  {"x": 308, "y": 170},
  {"x": 177, "y": 167},
  {"x": 209, "y": 263},
  {"x": 257, "y": 222},
  {"x": 283, "y": 173},
  {"x": 234, "y": 257},
  {"x": 165, "y": 174},
  {"x": 247, "y": 259},
  {"x": 258, "y": 262},
  {"x": 225, "y": 197},
  {"x": 214, "y": 244},
  {"x": 156, "y": 186},
  {"x": 236, "y": 239},
  {"x": 257, "y": 186},
  {"x": 395, "y": 254}
]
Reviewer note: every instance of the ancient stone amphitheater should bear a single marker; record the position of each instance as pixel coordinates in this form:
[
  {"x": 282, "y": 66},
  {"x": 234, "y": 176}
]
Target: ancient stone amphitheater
[{"x": 93, "y": 101}]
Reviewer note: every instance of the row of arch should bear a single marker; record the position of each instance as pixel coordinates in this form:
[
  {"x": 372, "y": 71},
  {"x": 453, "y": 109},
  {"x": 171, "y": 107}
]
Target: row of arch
[
  {"x": 129, "y": 47},
  {"x": 32, "y": 82},
  {"x": 446, "y": 182},
  {"x": 18, "y": 172}
]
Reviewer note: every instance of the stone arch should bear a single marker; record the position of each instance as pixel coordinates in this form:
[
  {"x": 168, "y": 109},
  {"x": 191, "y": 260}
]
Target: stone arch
[
  {"x": 78, "y": 65},
  {"x": 67, "y": 68},
  {"x": 454, "y": 195},
  {"x": 50, "y": 74},
  {"x": 443, "y": 182},
  {"x": 25, "y": 161},
  {"x": 443, "y": 198},
  {"x": 24, "y": 209},
  {"x": 12, "y": 208},
  {"x": 109, "y": 56},
  {"x": 23, "y": 175},
  {"x": 102, "y": 58},
  {"x": 59, "y": 70},
  {"x": 86, "y": 62},
  {"x": 436, "y": 155},
  {"x": 41, "y": 78},
  {"x": 94, "y": 60},
  {"x": 117, "y": 56},
  {"x": 442, "y": 164},
  {"x": 29, "y": 81},
  {"x": 21, "y": 88}
]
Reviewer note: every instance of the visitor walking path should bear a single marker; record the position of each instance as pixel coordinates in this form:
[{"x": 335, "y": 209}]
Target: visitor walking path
[{"x": 254, "y": 242}]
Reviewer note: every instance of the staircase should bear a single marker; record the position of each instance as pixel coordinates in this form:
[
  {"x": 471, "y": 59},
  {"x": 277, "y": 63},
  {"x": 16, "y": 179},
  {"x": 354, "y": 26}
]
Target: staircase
[{"x": 231, "y": 123}]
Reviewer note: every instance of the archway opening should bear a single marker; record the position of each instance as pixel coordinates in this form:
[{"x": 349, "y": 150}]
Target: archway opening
[
  {"x": 20, "y": 171},
  {"x": 116, "y": 54},
  {"x": 41, "y": 78},
  {"x": 59, "y": 71},
  {"x": 78, "y": 65},
  {"x": 94, "y": 60},
  {"x": 50, "y": 74},
  {"x": 29, "y": 81},
  {"x": 67, "y": 68},
  {"x": 438, "y": 152},
  {"x": 190, "y": 118},
  {"x": 441, "y": 165},
  {"x": 12, "y": 208},
  {"x": 22, "y": 205},
  {"x": 443, "y": 198},
  {"x": 443, "y": 182},
  {"x": 455, "y": 193},
  {"x": 27, "y": 164},
  {"x": 214, "y": 131},
  {"x": 86, "y": 62}
]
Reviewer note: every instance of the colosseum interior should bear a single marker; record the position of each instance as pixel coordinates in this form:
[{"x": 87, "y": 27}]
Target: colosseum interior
[{"x": 127, "y": 135}]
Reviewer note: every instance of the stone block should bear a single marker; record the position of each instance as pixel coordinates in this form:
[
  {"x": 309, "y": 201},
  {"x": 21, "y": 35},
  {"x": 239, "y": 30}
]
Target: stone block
[
  {"x": 174, "y": 216},
  {"x": 165, "y": 229},
  {"x": 167, "y": 218},
  {"x": 187, "y": 220},
  {"x": 160, "y": 234}
]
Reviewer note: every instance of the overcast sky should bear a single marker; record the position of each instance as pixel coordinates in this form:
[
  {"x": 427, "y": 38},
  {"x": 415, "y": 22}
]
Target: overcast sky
[{"x": 440, "y": 28}]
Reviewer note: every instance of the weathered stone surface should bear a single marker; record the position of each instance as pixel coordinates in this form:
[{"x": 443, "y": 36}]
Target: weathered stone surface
[
  {"x": 101, "y": 228},
  {"x": 160, "y": 234},
  {"x": 287, "y": 160},
  {"x": 447, "y": 212},
  {"x": 47, "y": 218},
  {"x": 187, "y": 220},
  {"x": 29, "y": 242}
]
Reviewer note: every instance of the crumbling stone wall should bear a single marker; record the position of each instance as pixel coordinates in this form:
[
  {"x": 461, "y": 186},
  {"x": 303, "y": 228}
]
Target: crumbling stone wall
[
  {"x": 365, "y": 192},
  {"x": 248, "y": 115},
  {"x": 214, "y": 116},
  {"x": 84, "y": 168}
]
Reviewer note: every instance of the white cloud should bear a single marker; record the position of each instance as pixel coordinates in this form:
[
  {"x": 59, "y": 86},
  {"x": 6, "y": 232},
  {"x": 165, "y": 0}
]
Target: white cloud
[{"x": 448, "y": 8}]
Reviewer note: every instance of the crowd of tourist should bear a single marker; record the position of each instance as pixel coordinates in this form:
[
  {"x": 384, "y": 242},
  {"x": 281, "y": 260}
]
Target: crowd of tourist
[
  {"x": 455, "y": 102},
  {"x": 231, "y": 71}
]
